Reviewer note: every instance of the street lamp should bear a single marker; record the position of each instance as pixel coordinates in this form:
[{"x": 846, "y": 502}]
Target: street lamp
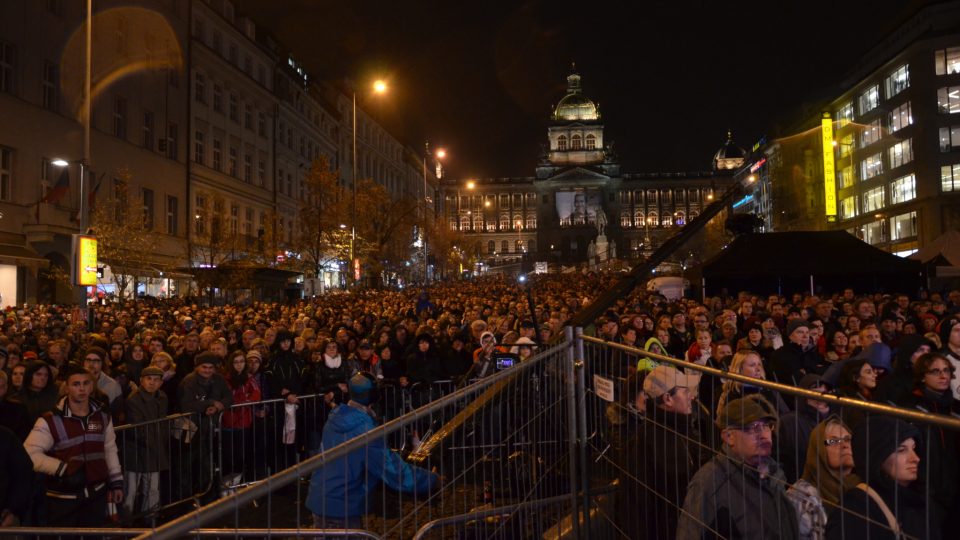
[{"x": 379, "y": 87}]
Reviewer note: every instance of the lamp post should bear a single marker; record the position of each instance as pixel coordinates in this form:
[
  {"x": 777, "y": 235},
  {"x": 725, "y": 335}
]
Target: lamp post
[
  {"x": 379, "y": 87},
  {"x": 438, "y": 155}
]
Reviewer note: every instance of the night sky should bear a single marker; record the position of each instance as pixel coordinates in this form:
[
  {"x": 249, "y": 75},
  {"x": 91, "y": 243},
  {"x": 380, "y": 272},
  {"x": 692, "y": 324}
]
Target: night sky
[{"x": 479, "y": 78}]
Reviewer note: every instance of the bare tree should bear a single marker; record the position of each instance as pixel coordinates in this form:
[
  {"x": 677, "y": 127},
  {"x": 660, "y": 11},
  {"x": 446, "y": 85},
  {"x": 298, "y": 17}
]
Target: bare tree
[
  {"x": 319, "y": 239},
  {"x": 124, "y": 238},
  {"x": 384, "y": 227}
]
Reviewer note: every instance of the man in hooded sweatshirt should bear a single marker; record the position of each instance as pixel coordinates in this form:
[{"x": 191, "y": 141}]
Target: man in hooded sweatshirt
[
  {"x": 893, "y": 388},
  {"x": 338, "y": 495}
]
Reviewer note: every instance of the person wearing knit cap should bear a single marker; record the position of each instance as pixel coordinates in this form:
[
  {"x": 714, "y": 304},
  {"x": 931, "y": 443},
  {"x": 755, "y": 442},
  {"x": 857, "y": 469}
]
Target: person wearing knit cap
[
  {"x": 147, "y": 452},
  {"x": 827, "y": 473},
  {"x": 740, "y": 493},
  {"x": 886, "y": 456},
  {"x": 796, "y": 358},
  {"x": 339, "y": 490}
]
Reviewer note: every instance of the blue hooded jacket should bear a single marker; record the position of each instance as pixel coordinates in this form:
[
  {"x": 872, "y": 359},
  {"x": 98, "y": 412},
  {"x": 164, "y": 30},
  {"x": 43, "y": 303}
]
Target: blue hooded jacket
[{"x": 340, "y": 488}]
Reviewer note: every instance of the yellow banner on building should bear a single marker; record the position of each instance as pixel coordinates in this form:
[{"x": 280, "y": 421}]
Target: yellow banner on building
[
  {"x": 85, "y": 260},
  {"x": 829, "y": 169}
]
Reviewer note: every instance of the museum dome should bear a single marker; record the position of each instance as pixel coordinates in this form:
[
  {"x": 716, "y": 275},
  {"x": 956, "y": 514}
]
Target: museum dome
[
  {"x": 575, "y": 105},
  {"x": 729, "y": 156}
]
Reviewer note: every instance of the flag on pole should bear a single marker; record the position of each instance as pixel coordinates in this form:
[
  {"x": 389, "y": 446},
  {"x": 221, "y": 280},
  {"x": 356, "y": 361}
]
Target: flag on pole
[
  {"x": 59, "y": 189},
  {"x": 56, "y": 193}
]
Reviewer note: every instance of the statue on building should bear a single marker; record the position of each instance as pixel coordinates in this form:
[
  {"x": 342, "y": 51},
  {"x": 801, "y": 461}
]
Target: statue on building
[
  {"x": 591, "y": 250},
  {"x": 601, "y": 220}
]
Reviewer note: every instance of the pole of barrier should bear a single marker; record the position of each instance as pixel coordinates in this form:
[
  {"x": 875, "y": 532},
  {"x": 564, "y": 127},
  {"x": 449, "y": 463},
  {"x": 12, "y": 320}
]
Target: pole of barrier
[
  {"x": 570, "y": 376},
  {"x": 582, "y": 424}
]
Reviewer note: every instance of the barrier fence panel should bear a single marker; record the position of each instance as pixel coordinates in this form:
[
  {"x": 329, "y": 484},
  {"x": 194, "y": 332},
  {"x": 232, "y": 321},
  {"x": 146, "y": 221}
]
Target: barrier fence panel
[
  {"x": 804, "y": 462},
  {"x": 166, "y": 463},
  {"x": 505, "y": 449}
]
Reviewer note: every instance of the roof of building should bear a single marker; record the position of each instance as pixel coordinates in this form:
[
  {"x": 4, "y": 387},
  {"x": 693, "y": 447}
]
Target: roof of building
[
  {"x": 730, "y": 150},
  {"x": 575, "y": 106}
]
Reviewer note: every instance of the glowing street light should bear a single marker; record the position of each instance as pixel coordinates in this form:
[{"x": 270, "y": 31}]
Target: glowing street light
[{"x": 379, "y": 87}]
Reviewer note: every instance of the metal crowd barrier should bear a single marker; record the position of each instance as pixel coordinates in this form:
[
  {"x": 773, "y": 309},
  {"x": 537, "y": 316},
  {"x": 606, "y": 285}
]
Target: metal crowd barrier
[
  {"x": 657, "y": 455},
  {"x": 167, "y": 463},
  {"x": 516, "y": 453},
  {"x": 560, "y": 446}
]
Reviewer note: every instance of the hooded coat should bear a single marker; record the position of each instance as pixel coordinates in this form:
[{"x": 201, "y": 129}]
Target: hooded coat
[
  {"x": 940, "y": 461},
  {"x": 861, "y": 517},
  {"x": 897, "y": 385},
  {"x": 425, "y": 367},
  {"x": 340, "y": 489},
  {"x": 40, "y": 402}
]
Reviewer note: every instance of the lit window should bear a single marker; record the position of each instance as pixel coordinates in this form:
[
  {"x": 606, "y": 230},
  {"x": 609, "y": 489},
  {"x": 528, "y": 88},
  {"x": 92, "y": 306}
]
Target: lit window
[
  {"x": 950, "y": 177},
  {"x": 949, "y": 138},
  {"x": 873, "y": 232},
  {"x": 591, "y": 142},
  {"x": 948, "y": 100},
  {"x": 903, "y": 226},
  {"x": 901, "y": 153},
  {"x": 625, "y": 220},
  {"x": 870, "y": 134},
  {"x": 870, "y": 167},
  {"x": 576, "y": 142},
  {"x": 844, "y": 115},
  {"x": 869, "y": 100},
  {"x": 948, "y": 61},
  {"x": 898, "y": 81},
  {"x": 848, "y": 208},
  {"x": 903, "y": 189},
  {"x": 562, "y": 142},
  {"x": 900, "y": 117},
  {"x": 873, "y": 199}
]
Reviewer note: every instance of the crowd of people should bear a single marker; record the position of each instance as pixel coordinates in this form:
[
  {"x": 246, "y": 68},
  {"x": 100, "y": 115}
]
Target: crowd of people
[
  {"x": 743, "y": 460},
  {"x": 710, "y": 456}
]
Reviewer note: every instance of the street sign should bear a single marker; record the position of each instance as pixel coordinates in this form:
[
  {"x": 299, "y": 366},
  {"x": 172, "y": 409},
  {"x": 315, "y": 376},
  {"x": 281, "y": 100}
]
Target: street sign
[{"x": 84, "y": 260}]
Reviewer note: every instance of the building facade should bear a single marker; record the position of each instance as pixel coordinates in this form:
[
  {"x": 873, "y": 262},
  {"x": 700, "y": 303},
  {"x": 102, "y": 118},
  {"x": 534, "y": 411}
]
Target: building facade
[
  {"x": 200, "y": 120},
  {"x": 578, "y": 206},
  {"x": 882, "y": 159}
]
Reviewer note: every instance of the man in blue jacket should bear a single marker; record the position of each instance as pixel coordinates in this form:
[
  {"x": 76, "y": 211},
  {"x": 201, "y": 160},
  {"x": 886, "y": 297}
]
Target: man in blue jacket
[{"x": 339, "y": 490}]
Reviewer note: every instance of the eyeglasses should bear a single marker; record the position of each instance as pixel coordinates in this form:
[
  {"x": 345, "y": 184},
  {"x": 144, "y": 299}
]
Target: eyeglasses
[
  {"x": 936, "y": 372},
  {"x": 833, "y": 441},
  {"x": 757, "y": 428}
]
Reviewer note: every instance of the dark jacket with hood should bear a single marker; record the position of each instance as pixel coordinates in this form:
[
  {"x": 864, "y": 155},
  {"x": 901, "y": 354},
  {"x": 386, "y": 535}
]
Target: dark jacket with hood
[
  {"x": 286, "y": 367},
  {"x": 940, "y": 460},
  {"x": 660, "y": 457},
  {"x": 793, "y": 433},
  {"x": 896, "y": 386},
  {"x": 425, "y": 367},
  {"x": 790, "y": 363},
  {"x": 861, "y": 517},
  {"x": 40, "y": 402}
]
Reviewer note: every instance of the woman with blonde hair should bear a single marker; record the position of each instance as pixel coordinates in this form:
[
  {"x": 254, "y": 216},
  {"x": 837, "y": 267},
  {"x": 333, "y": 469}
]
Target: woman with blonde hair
[{"x": 749, "y": 364}]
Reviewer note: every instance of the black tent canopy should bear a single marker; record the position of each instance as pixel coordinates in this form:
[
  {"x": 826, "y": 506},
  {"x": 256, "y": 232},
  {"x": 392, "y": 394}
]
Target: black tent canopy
[{"x": 798, "y": 261}]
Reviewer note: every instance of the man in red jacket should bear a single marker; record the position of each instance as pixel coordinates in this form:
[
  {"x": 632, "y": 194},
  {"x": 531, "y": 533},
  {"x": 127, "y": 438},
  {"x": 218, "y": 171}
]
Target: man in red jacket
[{"x": 75, "y": 446}]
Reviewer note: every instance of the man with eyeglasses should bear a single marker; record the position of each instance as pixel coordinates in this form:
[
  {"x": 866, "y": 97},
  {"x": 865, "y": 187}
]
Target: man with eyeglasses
[{"x": 740, "y": 493}]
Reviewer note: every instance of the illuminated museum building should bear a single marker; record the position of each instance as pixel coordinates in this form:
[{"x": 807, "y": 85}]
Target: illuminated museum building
[{"x": 577, "y": 191}]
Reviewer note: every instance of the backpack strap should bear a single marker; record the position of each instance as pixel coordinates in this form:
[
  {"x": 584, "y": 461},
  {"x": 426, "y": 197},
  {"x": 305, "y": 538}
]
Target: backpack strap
[{"x": 891, "y": 519}]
